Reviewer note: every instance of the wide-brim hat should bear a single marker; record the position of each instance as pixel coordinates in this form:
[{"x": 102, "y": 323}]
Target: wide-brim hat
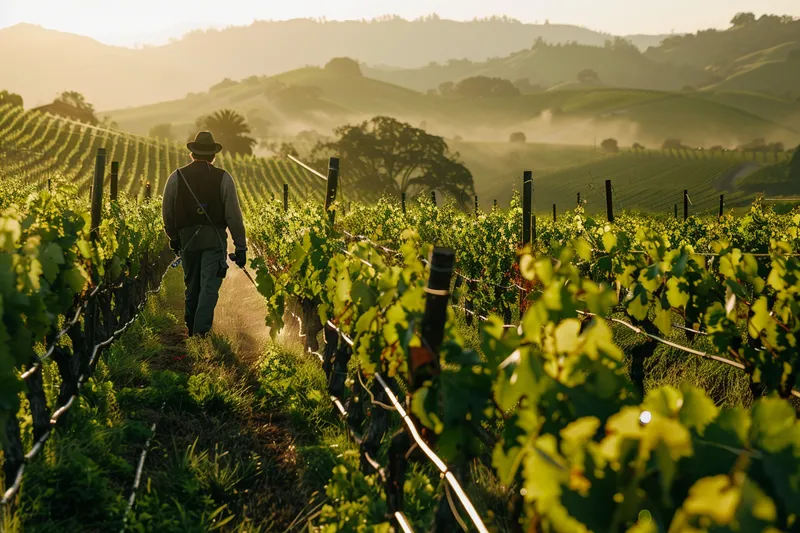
[{"x": 204, "y": 144}]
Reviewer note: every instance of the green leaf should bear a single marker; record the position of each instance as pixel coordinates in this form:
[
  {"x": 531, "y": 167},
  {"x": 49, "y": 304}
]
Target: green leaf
[
  {"x": 698, "y": 410},
  {"x": 567, "y": 335}
]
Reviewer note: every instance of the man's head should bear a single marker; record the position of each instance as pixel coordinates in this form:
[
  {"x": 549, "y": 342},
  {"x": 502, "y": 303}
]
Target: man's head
[{"x": 204, "y": 147}]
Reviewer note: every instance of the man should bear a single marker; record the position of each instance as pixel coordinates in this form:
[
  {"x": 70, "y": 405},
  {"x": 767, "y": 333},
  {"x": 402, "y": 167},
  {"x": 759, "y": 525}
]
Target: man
[{"x": 200, "y": 204}]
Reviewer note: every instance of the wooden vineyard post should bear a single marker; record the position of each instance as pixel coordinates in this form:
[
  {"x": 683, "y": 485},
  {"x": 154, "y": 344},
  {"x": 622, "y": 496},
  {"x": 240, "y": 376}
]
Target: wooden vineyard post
[
  {"x": 433, "y": 198},
  {"x": 476, "y": 205},
  {"x": 403, "y": 202},
  {"x": 527, "y": 193},
  {"x": 495, "y": 203},
  {"x": 285, "y": 197},
  {"x": 555, "y": 218},
  {"x": 91, "y": 193},
  {"x": 721, "y": 204},
  {"x": 676, "y": 211},
  {"x": 148, "y": 191},
  {"x": 579, "y": 199},
  {"x": 114, "y": 181},
  {"x": 92, "y": 314},
  {"x": 685, "y": 204},
  {"x": 609, "y": 203},
  {"x": 424, "y": 365},
  {"x": 333, "y": 185},
  {"x": 97, "y": 192}
]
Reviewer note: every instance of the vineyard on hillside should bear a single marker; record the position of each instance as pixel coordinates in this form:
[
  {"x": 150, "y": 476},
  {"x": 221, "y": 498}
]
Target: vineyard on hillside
[{"x": 38, "y": 147}]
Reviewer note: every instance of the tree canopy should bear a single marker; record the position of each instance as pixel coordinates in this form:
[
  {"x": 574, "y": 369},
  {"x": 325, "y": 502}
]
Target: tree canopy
[
  {"x": 344, "y": 66},
  {"x": 72, "y": 104},
  {"x": 743, "y": 19},
  {"x": 384, "y": 155},
  {"x": 485, "y": 87},
  {"x": 588, "y": 76},
  {"x": 11, "y": 98},
  {"x": 230, "y": 129},
  {"x": 517, "y": 137},
  {"x": 610, "y": 145},
  {"x": 794, "y": 166}
]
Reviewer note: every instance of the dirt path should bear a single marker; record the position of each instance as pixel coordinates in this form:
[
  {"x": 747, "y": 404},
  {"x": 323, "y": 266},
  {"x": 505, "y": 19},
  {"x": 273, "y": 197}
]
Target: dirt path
[
  {"x": 240, "y": 315},
  {"x": 244, "y": 416}
]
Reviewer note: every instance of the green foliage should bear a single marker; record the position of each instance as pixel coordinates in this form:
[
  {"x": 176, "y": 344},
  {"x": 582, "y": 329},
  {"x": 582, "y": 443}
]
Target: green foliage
[
  {"x": 794, "y": 166},
  {"x": 48, "y": 262},
  {"x": 10, "y": 98},
  {"x": 485, "y": 87},
  {"x": 72, "y": 104},
  {"x": 573, "y": 433},
  {"x": 230, "y": 129},
  {"x": 517, "y": 137},
  {"x": 344, "y": 66},
  {"x": 387, "y": 156},
  {"x": 610, "y": 145}
]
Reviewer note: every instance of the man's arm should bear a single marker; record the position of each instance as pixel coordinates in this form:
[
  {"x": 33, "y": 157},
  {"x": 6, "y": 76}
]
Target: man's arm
[
  {"x": 168, "y": 207},
  {"x": 233, "y": 212}
]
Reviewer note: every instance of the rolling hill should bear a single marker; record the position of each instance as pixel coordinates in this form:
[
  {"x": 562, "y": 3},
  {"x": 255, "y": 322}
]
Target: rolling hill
[
  {"x": 549, "y": 65},
  {"x": 115, "y": 77},
  {"x": 38, "y": 147},
  {"x": 761, "y": 56},
  {"x": 320, "y": 99}
]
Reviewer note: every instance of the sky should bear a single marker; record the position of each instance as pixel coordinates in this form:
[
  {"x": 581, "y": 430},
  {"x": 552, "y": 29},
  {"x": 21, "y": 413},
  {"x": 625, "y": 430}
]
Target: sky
[{"x": 128, "y": 22}]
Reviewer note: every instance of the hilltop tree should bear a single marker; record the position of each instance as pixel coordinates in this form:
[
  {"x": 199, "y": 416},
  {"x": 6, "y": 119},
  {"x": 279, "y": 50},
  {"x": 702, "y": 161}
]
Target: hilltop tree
[
  {"x": 344, "y": 66},
  {"x": 794, "y": 166},
  {"x": 485, "y": 87},
  {"x": 224, "y": 84},
  {"x": 162, "y": 131},
  {"x": 386, "y": 155},
  {"x": 72, "y": 104},
  {"x": 230, "y": 129},
  {"x": 588, "y": 75},
  {"x": 743, "y": 19},
  {"x": 610, "y": 145},
  {"x": 10, "y": 98},
  {"x": 446, "y": 88},
  {"x": 517, "y": 137}
]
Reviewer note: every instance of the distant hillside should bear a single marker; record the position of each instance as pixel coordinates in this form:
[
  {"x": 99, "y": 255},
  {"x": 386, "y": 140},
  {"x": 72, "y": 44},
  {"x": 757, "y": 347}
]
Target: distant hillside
[
  {"x": 721, "y": 50},
  {"x": 756, "y": 56},
  {"x": 320, "y": 99},
  {"x": 760, "y": 55},
  {"x": 547, "y": 65},
  {"x": 45, "y": 63}
]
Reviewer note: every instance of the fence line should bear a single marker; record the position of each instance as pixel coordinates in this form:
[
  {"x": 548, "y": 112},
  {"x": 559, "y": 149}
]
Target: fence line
[
  {"x": 39, "y": 444},
  {"x": 414, "y": 433}
]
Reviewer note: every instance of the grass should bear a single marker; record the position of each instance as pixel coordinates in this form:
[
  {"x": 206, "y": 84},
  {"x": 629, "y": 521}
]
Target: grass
[{"x": 236, "y": 447}]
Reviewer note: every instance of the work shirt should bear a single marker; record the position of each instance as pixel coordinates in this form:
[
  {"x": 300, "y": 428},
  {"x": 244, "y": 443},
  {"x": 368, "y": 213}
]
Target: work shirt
[{"x": 207, "y": 236}]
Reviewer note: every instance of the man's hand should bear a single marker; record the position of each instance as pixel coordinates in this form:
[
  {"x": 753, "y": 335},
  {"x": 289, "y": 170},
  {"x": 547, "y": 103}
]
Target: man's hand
[
  {"x": 240, "y": 258},
  {"x": 175, "y": 246}
]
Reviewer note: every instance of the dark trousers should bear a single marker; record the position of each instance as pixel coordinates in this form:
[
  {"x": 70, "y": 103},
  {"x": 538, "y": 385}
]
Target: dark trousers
[{"x": 201, "y": 275}]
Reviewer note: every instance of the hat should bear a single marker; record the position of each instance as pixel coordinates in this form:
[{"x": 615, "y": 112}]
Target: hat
[{"x": 204, "y": 144}]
